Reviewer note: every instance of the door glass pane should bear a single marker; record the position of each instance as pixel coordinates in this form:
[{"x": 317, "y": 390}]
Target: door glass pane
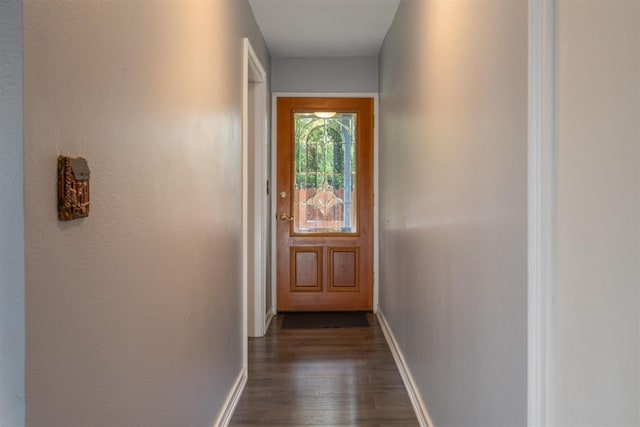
[{"x": 325, "y": 190}]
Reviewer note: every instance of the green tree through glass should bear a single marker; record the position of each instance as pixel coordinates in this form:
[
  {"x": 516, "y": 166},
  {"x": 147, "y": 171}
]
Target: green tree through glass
[{"x": 319, "y": 151}]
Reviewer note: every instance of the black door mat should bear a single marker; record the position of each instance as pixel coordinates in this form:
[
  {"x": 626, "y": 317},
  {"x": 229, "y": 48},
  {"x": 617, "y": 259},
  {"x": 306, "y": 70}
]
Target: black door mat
[{"x": 325, "y": 319}]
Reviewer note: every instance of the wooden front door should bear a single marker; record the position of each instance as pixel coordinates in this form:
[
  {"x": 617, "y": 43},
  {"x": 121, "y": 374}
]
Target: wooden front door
[{"x": 325, "y": 204}]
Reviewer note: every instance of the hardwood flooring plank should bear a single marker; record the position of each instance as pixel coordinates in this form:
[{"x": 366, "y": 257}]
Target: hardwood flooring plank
[
  {"x": 342, "y": 416},
  {"x": 323, "y": 377}
]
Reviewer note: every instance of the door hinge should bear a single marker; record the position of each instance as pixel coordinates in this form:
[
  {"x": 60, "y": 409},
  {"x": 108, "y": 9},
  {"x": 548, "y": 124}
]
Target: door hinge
[{"x": 268, "y": 187}]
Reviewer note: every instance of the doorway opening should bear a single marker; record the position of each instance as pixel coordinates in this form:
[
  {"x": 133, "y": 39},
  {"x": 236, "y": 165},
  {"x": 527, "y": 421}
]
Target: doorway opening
[
  {"x": 275, "y": 219},
  {"x": 325, "y": 227},
  {"x": 255, "y": 199}
]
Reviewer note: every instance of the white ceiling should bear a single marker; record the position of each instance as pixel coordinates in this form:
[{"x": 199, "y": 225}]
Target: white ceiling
[{"x": 324, "y": 28}]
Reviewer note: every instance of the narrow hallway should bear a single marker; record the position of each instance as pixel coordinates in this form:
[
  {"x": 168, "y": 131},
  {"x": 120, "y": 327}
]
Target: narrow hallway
[
  {"x": 326, "y": 377},
  {"x": 503, "y": 212}
]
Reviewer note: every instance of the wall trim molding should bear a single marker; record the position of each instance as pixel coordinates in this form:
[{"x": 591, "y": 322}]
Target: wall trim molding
[
  {"x": 414, "y": 394},
  {"x": 267, "y": 323},
  {"x": 541, "y": 206},
  {"x": 255, "y": 140},
  {"x": 224, "y": 418}
]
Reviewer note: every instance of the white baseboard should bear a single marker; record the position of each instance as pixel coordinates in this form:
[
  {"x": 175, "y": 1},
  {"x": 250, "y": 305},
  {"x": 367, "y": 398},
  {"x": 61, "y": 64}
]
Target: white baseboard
[
  {"x": 232, "y": 400},
  {"x": 414, "y": 394},
  {"x": 267, "y": 321}
]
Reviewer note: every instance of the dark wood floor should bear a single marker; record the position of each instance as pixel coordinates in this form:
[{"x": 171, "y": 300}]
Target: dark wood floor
[{"x": 328, "y": 377}]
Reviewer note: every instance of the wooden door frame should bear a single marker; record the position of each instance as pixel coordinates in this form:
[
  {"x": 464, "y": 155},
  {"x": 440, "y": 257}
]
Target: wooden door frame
[{"x": 274, "y": 172}]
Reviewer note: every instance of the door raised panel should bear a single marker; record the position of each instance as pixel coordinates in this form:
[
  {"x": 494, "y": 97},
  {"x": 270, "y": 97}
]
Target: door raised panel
[
  {"x": 306, "y": 269},
  {"x": 343, "y": 269}
]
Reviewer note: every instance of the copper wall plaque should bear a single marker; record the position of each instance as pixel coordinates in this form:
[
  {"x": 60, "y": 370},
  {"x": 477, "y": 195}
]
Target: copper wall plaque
[{"x": 73, "y": 188}]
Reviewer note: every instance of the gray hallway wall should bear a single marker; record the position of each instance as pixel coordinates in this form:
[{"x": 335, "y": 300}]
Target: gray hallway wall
[
  {"x": 325, "y": 75},
  {"x": 11, "y": 217},
  {"x": 453, "y": 205},
  {"x": 134, "y": 314}
]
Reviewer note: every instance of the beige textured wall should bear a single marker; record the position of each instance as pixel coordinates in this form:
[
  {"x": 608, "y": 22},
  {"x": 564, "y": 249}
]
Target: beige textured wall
[
  {"x": 134, "y": 313},
  {"x": 453, "y": 205},
  {"x": 595, "y": 354}
]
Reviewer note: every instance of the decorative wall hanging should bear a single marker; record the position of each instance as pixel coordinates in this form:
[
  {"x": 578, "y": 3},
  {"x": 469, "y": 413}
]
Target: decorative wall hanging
[{"x": 73, "y": 188}]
